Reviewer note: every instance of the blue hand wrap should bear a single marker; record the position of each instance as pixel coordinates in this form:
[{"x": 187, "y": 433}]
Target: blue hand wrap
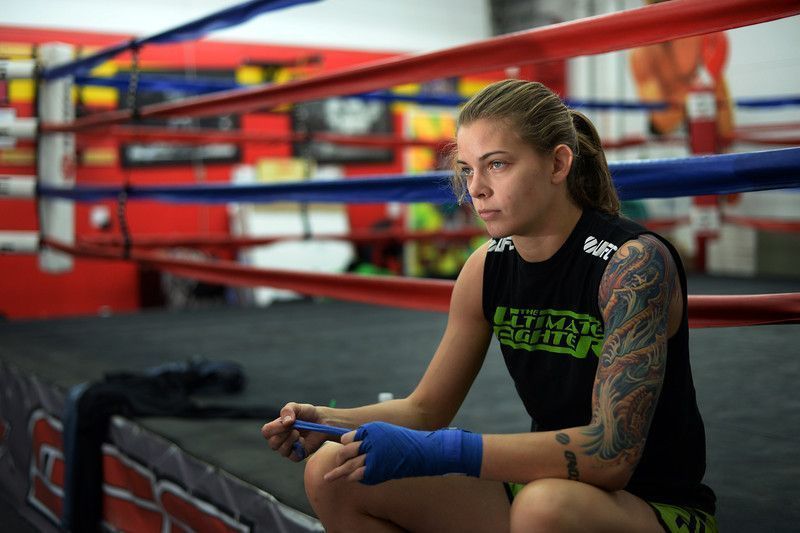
[
  {"x": 299, "y": 451},
  {"x": 395, "y": 452}
]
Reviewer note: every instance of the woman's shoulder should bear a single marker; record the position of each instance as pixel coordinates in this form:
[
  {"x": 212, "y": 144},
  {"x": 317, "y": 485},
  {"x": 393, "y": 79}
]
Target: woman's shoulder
[{"x": 474, "y": 263}]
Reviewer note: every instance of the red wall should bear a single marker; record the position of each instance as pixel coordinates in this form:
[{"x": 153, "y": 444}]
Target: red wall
[{"x": 95, "y": 286}]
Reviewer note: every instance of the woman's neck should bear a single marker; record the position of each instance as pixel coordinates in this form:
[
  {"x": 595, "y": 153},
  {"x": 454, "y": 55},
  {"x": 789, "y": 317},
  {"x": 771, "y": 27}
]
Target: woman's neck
[{"x": 544, "y": 244}]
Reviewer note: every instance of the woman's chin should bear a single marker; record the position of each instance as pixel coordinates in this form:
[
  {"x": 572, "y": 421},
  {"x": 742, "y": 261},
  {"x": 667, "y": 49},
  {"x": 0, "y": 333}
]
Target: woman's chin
[{"x": 496, "y": 231}]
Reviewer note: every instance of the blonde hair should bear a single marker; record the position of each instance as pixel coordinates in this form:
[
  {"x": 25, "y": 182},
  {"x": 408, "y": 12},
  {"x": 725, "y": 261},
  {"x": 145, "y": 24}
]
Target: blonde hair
[{"x": 542, "y": 120}]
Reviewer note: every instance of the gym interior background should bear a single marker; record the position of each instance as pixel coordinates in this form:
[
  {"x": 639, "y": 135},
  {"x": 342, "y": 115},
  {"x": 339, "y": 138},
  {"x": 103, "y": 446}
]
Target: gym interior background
[{"x": 107, "y": 316}]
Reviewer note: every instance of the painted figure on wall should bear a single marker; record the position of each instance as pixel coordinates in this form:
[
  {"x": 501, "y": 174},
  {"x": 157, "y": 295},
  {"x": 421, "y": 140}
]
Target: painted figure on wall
[{"x": 666, "y": 72}]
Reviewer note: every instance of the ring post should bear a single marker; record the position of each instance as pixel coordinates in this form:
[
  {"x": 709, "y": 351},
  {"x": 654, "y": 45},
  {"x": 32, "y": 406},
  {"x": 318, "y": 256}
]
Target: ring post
[
  {"x": 56, "y": 160},
  {"x": 701, "y": 110}
]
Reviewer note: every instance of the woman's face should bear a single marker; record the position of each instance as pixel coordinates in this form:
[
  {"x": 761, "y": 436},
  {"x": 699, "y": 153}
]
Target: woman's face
[{"x": 513, "y": 187}]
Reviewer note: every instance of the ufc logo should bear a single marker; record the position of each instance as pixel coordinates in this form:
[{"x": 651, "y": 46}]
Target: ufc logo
[
  {"x": 597, "y": 248},
  {"x": 500, "y": 245}
]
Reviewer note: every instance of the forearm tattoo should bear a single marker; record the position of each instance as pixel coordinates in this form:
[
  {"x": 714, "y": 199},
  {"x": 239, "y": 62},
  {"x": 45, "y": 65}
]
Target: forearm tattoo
[
  {"x": 572, "y": 466},
  {"x": 634, "y": 299},
  {"x": 572, "y": 459}
]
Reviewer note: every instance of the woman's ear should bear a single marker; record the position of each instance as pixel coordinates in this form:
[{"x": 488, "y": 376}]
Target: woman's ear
[{"x": 562, "y": 163}]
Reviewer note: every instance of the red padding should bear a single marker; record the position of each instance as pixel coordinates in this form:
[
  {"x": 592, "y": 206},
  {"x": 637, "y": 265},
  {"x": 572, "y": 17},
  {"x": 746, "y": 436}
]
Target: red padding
[
  {"x": 431, "y": 295},
  {"x": 651, "y": 24}
]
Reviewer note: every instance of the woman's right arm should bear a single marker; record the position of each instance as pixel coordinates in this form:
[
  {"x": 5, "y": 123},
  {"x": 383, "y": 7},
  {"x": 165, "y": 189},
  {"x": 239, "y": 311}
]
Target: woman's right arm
[{"x": 440, "y": 392}]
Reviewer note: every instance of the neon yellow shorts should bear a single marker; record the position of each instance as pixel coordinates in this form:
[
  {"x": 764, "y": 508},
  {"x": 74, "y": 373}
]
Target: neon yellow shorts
[
  {"x": 677, "y": 519},
  {"x": 673, "y": 518}
]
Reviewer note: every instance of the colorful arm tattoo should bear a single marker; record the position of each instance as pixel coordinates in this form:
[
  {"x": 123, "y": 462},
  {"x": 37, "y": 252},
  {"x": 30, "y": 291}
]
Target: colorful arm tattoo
[{"x": 634, "y": 298}]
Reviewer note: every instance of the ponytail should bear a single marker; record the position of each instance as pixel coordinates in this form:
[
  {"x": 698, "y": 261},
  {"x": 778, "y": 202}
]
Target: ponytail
[{"x": 589, "y": 181}]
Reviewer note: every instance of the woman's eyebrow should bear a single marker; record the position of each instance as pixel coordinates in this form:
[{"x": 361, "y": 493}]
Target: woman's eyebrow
[
  {"x": 484, "y": 156},
  {"x": 489, "y": 154}
]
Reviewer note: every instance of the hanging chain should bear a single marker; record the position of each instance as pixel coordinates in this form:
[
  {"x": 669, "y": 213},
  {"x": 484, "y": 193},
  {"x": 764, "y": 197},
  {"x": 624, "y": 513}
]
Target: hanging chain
[
  {"x": 132, "y": 103},
  {"x": 133, "y": 84}
]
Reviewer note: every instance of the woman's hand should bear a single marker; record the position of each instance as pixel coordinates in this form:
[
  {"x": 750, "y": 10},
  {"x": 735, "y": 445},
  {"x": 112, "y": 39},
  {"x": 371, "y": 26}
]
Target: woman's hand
[
  {"x": 378, "y": 451},
  {"x": 350, "y": 460},
  {"x": 289, "y": 442}
]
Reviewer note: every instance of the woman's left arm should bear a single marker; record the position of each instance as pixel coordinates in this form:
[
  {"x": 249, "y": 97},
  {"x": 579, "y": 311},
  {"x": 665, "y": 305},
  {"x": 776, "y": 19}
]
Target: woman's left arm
[{"x": 641, "y": 301}]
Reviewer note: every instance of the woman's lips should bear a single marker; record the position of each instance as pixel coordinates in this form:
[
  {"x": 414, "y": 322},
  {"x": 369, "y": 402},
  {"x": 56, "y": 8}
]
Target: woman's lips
[{"x": 488, "y": 214}]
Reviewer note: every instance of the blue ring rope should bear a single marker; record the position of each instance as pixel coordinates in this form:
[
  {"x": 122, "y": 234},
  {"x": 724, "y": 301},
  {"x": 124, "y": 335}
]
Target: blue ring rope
[{"x": 655, "y": 178}]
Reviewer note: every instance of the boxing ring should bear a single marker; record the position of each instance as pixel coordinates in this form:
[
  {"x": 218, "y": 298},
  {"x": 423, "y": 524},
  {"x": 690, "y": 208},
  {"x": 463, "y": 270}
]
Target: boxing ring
[{"x": 377, "y": 332}]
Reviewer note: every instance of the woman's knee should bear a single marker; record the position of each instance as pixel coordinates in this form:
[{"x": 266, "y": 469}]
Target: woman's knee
[
  {"x": 341, "y": 505},
  {"x": 545, "y": 505},
  {"x": 320, "y": 463}
]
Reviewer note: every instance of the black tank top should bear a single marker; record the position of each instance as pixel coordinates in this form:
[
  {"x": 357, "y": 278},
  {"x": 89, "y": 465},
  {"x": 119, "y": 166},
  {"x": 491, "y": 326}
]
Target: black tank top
[{"x": 548, "y": 322}]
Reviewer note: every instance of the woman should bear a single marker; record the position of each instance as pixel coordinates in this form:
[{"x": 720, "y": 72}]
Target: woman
[{"x": 590, "y": 312}]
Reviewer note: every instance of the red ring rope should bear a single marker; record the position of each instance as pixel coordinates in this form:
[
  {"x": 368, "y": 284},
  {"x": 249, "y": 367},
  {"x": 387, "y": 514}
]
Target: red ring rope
[
  {"x": 593, "y": 35},
  {"x": 428, "y": 294},
  {"x": 226, "y": 241},
  {"x": 147, "y": 133}
]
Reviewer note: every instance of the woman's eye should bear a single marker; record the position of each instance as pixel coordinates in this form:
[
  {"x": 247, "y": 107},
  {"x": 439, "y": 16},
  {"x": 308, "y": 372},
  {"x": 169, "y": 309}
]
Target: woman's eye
[
  {"x": 466, "y": 172},
  {"x": 497, "y": 165}
]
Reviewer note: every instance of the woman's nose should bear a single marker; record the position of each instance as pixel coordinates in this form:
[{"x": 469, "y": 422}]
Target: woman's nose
[{"x": 477, "y": 186}]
